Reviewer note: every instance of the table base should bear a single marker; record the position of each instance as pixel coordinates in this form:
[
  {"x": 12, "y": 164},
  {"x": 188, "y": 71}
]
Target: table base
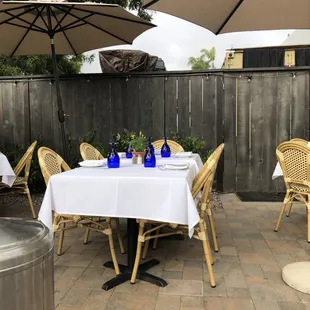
[{"x": 126, "y": 275}]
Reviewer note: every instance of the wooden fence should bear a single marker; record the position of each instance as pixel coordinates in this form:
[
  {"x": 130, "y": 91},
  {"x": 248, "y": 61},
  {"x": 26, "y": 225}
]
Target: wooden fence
[{"x": 252, "y": 112}]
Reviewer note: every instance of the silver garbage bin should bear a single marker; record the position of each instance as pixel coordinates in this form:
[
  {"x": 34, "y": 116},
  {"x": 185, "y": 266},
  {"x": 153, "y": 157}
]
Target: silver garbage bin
[{"x": 26, "y": 265}]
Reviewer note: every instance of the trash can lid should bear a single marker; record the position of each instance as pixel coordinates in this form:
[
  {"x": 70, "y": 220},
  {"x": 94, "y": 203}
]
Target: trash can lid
[{"x": 22, "y": 241}]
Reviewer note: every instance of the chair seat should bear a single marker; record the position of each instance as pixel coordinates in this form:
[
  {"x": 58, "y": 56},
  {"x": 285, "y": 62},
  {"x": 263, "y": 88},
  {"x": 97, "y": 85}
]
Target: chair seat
[
  {"x": 20, "y": 181},
  {"x": 300, "y": 188}
]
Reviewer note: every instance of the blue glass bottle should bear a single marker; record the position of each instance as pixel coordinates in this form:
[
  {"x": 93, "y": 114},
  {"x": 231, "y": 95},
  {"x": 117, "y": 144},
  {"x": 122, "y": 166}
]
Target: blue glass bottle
[
  {"x": 165, "y": 149},
  {"x": 113, "y": 158},
  {"x": 149, "y": 158},
  {"x": 129, "y": 151},
  {"x": 150, "y": 145}
]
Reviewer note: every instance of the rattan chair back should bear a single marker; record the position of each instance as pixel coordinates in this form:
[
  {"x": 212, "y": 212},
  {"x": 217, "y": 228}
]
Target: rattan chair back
[
  {"x": 51, "y": 163},
  {"x": 88, "y": 152},
  {"x": 294, "y": 158},
  {"x": 174, "y": 146},
  {"x": 25, "y": 162},
  {"x": 212, "y": 160},
  {"x": 300, "y": 140}
]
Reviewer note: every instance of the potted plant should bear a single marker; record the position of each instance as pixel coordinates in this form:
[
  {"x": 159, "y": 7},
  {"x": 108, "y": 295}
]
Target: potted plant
[{"x": 138, "y": 144}]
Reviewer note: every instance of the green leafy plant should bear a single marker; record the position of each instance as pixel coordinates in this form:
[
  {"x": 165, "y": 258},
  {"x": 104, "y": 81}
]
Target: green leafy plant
[
  {"x": 138, "y": 143},
  {"x": 193, "y": 144},
  {"x": 123, "y": 139}
]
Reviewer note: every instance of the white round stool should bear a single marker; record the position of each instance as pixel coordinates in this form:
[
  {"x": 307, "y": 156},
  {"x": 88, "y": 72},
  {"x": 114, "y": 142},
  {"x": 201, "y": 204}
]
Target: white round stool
[{"x": 297, "y": 276}]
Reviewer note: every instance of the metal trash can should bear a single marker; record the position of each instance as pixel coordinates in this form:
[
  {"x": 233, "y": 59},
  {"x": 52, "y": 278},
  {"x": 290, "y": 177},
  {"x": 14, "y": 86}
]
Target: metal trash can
[{"x": 26, "y": 265}]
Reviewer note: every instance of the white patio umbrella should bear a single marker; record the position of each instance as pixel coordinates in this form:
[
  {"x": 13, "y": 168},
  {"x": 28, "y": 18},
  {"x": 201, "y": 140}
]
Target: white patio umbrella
[
  {"x": 40, "y": 27},
  {"x": 223, "y": 16}
]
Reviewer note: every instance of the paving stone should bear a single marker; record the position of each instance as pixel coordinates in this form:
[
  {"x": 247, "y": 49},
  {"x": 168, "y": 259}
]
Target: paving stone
[
  {"x": 183, "y": 287},
  {"x": 168, "y": 302},
  {"x": 264, "y": 304},
  {"x": 131, "y": 301}
]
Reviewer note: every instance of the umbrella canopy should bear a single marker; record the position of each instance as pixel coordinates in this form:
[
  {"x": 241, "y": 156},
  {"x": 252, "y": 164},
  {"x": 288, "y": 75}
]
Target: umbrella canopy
[
  {"x": 223, "y": 16},
  {"x": 40, "y": 27},
  {"x": 26, "y": 27}
]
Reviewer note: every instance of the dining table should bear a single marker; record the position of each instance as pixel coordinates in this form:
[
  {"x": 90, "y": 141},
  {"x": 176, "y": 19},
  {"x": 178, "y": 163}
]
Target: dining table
[
  {"x": 132, "y": 192},
  {"x": 6, "y": 171}
]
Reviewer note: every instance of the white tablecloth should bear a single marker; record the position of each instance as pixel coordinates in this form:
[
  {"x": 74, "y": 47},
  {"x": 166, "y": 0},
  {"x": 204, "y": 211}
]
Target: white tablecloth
[
  {"x": 130, "y": 191},
  {"x": 278, "y": 171},
  {"x": 6, "y": 171}
]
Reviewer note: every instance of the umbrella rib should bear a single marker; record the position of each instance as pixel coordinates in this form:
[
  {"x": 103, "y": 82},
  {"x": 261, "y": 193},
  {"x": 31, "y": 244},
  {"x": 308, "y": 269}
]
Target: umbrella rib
[
  {"x": 115, "y": 17},
  {"x": 26, "y": 22},
  {"x": 44, "y": 21},
  {"x": 18, "y": 8},
  {"x": 149, "y": 4},
  {"x": 63, "y": 17},
  {"x": 229, "y": 16},
  {"x": 58, "y": 23},
  {"x": 99, "y": 28},
  {"x": 25, "y": 27},
  {"x": 18, "y": 15},
  {"x": 68, "y": 26},
  {"x": 26, "y": 33}
]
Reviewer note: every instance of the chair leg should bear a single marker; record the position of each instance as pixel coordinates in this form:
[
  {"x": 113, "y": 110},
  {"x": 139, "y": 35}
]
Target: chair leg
[
  {"x": 86, "y": 236},
  {"x": 308, "y": 217},
  {"x": 286, "y": 200},
  {"x": 208, "y": 244},
  {"x": 138, "y": 254},
  {"x": 30, "y": 201},
  {"x": 213, "y": 230},
  {"x": 146, "y": 246},
  {"x": 155, "y": 242},
  {"x": 112, "y": 249},
  {"x": 290, "y": 205},
  {"x": 207, "y": 253},
  {"x": 61, "y": 239},
  {"x": 119, "y": 236}
]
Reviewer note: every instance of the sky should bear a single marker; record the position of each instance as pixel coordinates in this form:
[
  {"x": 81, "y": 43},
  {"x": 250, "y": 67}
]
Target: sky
[{"x": 175, "y": 40}]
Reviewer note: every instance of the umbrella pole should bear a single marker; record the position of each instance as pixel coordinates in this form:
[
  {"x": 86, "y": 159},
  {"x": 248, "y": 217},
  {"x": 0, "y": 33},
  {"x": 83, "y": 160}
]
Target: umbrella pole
[{"x": 61, "y": 113}]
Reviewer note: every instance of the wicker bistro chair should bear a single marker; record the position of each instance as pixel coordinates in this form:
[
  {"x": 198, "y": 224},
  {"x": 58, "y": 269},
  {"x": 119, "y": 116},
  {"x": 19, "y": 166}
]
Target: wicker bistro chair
[
  {"x": 88, "y": 152},
  {"x": 51, "y": 163},
  {"x": 174, "y": 146},
  {"x": 300, "y": 140},
  {"x": 201, "y": 181},
  {"x": 214, "y": 156},
  {"x": 297, "y": 199},
  {"x": 21, "y": 183},
  {"x": 294, "y": 158}
]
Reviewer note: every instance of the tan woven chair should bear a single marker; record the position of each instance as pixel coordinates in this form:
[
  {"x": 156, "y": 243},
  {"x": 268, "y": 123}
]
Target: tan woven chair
[
  {"x": 202, "y": 182},
  {"x": 21, "y": 183},
  {"x": 216, "y": 156},
  {"x": 51, "y": 163},
  {"x": 297, "y": 200},
  {"x": 294, "y": 158},
  {"x": 299, "y": 140},
  {"x": 174, "y": 146},
  {"x": 88, "y": 152}
]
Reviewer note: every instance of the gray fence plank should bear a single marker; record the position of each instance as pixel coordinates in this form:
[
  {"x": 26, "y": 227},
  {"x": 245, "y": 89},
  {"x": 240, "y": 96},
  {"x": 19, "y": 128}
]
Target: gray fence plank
[
  {"x": 243, "y": 142},
  {"x": 269, "y": 134},
  {"x": 171, "y": 105},
  {"x": 184, "y": 106},
  {"x": 197, "y": 106},
  {"x": 209, "y": 112},
  {"x": 229, "y": 118}
]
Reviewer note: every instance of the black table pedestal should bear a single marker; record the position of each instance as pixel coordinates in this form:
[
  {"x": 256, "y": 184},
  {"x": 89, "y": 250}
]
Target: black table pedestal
[{"x": 126, "y": 271}]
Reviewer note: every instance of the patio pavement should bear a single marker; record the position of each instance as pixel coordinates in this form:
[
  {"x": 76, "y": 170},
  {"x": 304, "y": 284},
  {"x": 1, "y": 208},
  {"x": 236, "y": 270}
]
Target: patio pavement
[{"x": 247, "y": 268}]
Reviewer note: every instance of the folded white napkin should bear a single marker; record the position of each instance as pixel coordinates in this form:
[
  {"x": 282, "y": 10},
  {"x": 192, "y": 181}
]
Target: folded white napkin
[
  {"x": 92, "y": 163},
  {"x": 176, "y": 166},
  {"x": 184, "y": 154}
]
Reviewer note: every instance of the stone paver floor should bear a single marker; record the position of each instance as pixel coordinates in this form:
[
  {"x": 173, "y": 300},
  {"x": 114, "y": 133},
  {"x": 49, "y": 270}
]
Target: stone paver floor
[{"x": 247, "y": 268}]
